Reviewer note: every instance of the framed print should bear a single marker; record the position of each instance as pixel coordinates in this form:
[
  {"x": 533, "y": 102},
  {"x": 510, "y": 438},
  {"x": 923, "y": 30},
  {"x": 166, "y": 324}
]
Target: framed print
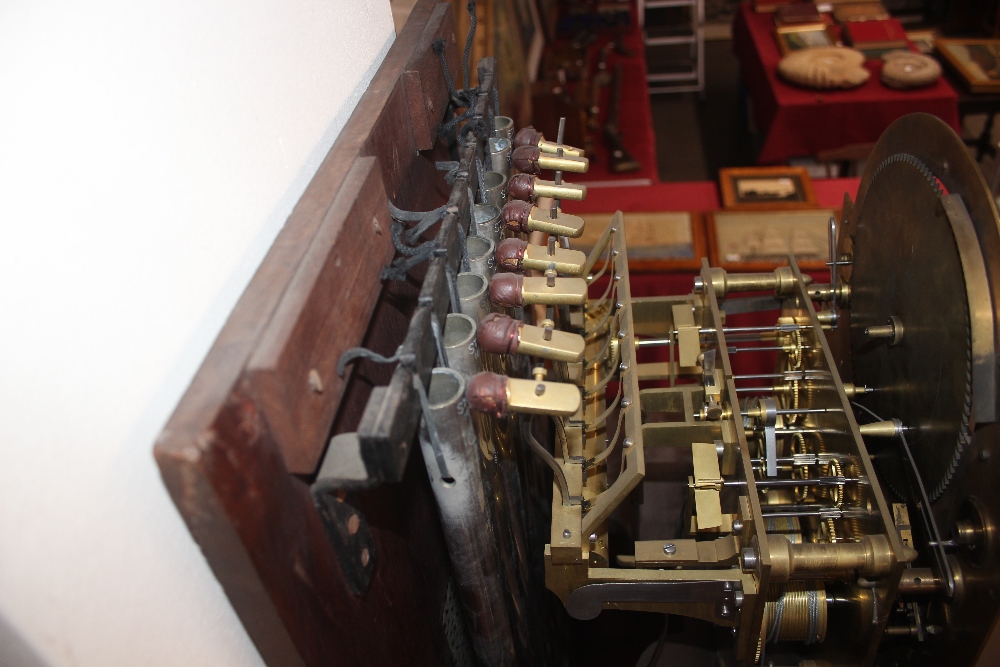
[
  {"x": 923, "y": 40},
  {"x": 802, "y": 36},
  {"x": 977, "y": 61},
  {"x": 762, "y": 240},
  {"x": 769, "y": 187},
  {"x": 860, "y": 11},
  {"x": 657, "y": 241}
]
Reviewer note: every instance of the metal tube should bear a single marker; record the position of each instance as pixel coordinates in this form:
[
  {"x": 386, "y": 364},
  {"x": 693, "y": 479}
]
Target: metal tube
[
  {"x": 653, "y": 342},
  {"x": 481, "y": 253},
  {"x": 814, "y": 481},
  {"x": 737, "y": 330},
  {"x": 769, "y": 348},
  {"x": 803, "y": 460},
  {"x": 871, "y": 556},
  {"x": 801, "y": 411},
  {"x": 460, "y": 344},
  {"x": 503, "y": 127},
  {"x": 500, "y": 155},
  {"x": 488, "y": 222},
  {"x": 920, "y": 581},
  {"x": 787, "y": 375},
  {"x": 496, "y": 189},
  {"x": 469, "y": 530},
  {"x": 472, "y": 295}
]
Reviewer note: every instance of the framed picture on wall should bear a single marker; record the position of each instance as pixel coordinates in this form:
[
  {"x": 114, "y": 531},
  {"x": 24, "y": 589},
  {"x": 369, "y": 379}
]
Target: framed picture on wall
[
  {"x": 977, "y": 61},
  {"x": 767, "y": 187},
  {"x": 657, "y": 241},
  {"x": 762, "y": 240}
]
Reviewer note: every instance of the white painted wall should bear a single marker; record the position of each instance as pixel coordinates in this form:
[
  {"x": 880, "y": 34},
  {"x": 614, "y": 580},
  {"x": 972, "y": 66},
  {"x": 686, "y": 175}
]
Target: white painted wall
[{"x": 149, "y": 154}]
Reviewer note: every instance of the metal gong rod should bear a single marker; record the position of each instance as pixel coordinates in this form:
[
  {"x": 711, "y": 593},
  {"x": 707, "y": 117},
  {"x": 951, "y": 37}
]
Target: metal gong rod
[
  {"x": 815, "y": 481},
  {"x": 820, "y": 511},
  {"x": 654, "y": 342},
  {"x": 816, "y": 460},
  {"x": 769, "y": 348},
  {"x": 788, "y": 375},
  {"x": 759, "y": 329},
  {"x": 801, "y": 411}
]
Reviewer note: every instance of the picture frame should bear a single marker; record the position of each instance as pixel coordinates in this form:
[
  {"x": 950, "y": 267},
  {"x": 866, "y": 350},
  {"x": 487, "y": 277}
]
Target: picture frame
[
  {"x": 761, "y": 240},
  {"x": 860, "y": 11},
  {"x": 923, "y": 40},
  {"x": 796, "y": 37},
  {"x": 657, "y": 240},
  {"x": 766, "y": 187},
  {"x": 977, "y": 62}
]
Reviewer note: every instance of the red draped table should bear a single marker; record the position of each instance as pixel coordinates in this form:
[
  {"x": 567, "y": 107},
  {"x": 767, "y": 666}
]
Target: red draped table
[{"x": 799, "y": 121}]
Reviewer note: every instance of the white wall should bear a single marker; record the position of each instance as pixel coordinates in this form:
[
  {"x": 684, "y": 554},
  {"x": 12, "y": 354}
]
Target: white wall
[{"x": 149, "y": 154}]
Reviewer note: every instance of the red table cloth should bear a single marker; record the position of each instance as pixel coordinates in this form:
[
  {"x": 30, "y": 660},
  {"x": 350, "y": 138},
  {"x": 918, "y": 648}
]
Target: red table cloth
[{"x": 800, "y": 121}]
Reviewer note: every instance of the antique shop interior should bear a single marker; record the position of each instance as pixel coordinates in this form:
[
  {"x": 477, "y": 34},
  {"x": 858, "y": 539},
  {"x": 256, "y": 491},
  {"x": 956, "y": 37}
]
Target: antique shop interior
[{"x": 475, "y": 333}]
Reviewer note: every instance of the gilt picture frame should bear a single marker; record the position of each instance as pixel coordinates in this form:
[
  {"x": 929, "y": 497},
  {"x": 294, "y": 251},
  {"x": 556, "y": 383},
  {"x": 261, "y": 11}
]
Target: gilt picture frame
[
  {"x": 977, "y": 62},
  {"x": 761, "y": 240},
  {"x": 766, "y": 187}
]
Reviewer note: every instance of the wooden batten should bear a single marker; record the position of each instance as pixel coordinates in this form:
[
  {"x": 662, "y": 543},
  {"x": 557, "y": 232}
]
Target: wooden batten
[{"x": 255, "y": 419}]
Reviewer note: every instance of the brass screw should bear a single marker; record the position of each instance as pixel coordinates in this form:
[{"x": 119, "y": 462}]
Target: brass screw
[{"x": 353, "y": 524}]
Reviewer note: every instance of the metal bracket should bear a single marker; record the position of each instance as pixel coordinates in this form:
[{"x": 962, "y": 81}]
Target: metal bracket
[{"x": 585, "y": 603}]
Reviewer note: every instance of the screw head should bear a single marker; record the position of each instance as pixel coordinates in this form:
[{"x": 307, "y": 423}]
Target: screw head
[
  {"x": 724, "y": 612},
  {"x": 627, "y": 443},
  {"x": 738, "y": 597},
  {"x": 567, "y": 533},
  {"x": 670, "y": 548},
  {"x": 749, "y": 557},
  {"x": 365, "y": 557},
  {"x": 984, "y": 455},
  {"x": 624, "y": 367},
  {"x": 353, "y": 524},
  {"x": 625, "y": 403}
]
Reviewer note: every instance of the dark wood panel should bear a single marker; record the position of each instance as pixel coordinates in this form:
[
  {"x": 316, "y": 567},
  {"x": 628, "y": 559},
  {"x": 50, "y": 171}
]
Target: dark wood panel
[
  {"x": 292, "y": 372},
  {"x": 426, "y": 90},
  {"x": 221, "y": 453},
  {"x": 287, "y": 586}
]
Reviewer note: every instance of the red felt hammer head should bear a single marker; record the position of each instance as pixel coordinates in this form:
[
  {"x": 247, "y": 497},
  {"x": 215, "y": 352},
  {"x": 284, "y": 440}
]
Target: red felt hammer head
[{"x": 487, "y": 392}]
